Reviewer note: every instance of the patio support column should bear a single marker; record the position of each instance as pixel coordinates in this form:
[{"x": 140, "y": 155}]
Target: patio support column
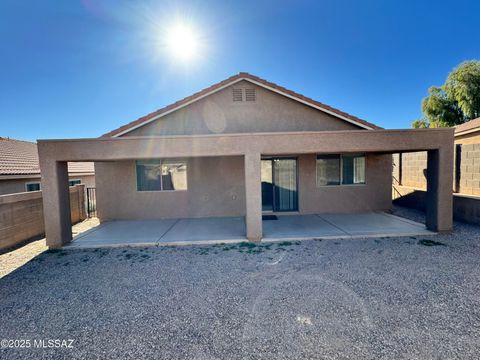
[
  {"x": 253, "y": 196},
  {"x": 439, "y": 211},
  {"x": 56, "y": 203}
]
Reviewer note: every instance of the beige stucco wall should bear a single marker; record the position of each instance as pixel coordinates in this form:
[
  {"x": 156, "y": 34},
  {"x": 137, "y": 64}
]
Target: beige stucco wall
[
  {"x": 375, "y": 194},
  {"x": 217, "y": 113},
  {"x": 18, "y": 185},
  {"x": 216, "y": 187}
]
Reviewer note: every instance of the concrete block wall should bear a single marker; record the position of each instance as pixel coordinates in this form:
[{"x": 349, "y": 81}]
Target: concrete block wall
[
  {"x": 21, "y": 215},
  {"x": 413, "y": 170},
  {"x": 465, "y": 208},
  {"x": 469, "y": 176},
  {"x": 410, "y": 188},
  {"x": 409, "y": 170}
]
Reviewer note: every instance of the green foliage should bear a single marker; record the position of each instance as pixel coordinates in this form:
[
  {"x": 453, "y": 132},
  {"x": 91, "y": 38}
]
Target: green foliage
[
  {"x": 463, "y": 85},
  {"x": 439, "y": 108},
  {"x": 455, "y": 102},
  {"x": 420, "y": 124}
]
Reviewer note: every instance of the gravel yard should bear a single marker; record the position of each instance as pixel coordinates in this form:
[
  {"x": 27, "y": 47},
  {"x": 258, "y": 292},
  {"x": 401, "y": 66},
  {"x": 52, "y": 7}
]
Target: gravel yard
[
  {"x": 11, "y": 260},
  {"x": 393, "y": 298}
]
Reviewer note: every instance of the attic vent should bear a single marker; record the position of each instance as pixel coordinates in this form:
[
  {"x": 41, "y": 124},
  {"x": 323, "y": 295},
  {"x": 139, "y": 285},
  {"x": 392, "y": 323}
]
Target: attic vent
[
  {"x": 237, "y": 94},
  {"x": 250, "y": 95}
]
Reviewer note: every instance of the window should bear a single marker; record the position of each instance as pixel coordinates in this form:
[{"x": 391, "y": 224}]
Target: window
[
  {"x": 32, "y": 186},
  {"x": 74, "y": 182},
  {"x": 328, "y": 170},
  {"x": 161, "y": 175},
  {"x": 336, "y": 169}
]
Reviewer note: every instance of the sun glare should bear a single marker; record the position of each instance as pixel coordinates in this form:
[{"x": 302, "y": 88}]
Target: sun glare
[{"x": 182, "y": 42}]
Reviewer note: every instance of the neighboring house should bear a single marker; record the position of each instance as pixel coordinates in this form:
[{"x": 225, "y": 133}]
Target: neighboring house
[
  {"x": 468, "y": 133},
  {"x": 243, "y": 147},
  {"x": 20, "y": 170}
]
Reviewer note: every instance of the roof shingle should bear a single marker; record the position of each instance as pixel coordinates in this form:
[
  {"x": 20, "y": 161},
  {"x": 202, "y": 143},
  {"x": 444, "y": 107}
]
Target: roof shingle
[
  {"x": 469, "y": 125},
  {"x": 19, "y": 157}
]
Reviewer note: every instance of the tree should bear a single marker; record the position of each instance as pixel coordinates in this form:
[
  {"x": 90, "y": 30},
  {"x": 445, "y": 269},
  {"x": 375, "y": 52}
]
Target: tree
[
  {"x": 439, "y": 108},
  {"x": 463, "y": 85},
  {"x": 420, "y": 124},
  {"x": 455, "y": 102}
]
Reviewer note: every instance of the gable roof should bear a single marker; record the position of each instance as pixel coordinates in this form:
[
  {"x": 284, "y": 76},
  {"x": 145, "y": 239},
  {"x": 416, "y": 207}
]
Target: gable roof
[
  {"x": 19, "y": 157},
  {"x": 468, "y": 127},
  {"x": 230, "y": 81}
]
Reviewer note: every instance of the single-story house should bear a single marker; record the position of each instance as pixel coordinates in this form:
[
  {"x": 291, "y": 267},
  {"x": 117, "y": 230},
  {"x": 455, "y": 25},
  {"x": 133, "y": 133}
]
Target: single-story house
[
  {"x": 244, "y": 147},
  {"x": 20, "y": 169},
  {"x": 468, "y": 132}
]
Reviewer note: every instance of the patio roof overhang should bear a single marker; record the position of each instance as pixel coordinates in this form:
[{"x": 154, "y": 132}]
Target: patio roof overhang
[
  {"x": 54, "y": 154},
  {"x": 384, "y": 141}
]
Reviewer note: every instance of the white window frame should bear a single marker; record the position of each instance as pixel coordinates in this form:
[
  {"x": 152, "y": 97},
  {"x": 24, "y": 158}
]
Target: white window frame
[
  {"x": 341, "y": 170},
  {"x": 161, "y": 162},
  {"x": 33, "y": 183}
]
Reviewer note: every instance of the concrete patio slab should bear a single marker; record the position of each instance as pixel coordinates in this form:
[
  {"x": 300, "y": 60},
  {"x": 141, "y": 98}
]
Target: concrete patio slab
[
  {"x": 220, "y": 228},
  {"x": 232, "y": 229},
  {"x": 123, "y": 232},
  {"x": 378, "y": 223},
  {"x": 162, "y": 232},
  {"x": 299, "y": 227}
]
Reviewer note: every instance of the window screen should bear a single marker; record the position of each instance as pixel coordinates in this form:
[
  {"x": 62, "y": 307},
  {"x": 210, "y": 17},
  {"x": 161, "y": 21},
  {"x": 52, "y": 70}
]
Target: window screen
[
  {"x": 338, "y": 169},
  {"x": 158, "y": 175},
  {"x": 353, "y": 167},
  {"x": 174, "y": 176},
  {"x": 328, "y": 170},
  {"x": 359, "y": 169}
]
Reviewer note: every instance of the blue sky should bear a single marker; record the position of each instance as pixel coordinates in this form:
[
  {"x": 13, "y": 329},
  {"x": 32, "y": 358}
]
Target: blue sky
[{"x": 71, "y": 69}]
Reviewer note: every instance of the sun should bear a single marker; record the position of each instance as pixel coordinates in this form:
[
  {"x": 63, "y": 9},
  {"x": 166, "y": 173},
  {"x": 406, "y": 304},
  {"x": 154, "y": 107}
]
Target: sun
[{"x": 182, "y": 42}]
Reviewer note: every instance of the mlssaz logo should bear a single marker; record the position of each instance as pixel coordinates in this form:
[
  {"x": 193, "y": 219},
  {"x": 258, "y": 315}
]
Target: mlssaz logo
[{"x": 53, "y": 343}]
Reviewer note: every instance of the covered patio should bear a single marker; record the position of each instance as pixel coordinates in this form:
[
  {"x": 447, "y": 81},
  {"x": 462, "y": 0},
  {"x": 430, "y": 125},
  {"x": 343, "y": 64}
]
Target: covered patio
[
  {"x": 54, "y": 155},
  {"x": 232, "y": 229}
]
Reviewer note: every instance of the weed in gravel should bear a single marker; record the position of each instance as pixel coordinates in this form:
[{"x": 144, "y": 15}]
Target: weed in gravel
[
  {"x": 248, "y": 245},
  {"x": 103, "y": 253},
  {"x": 428, "y": 242},
  {"x": 53, "y": 251},
  {"x": 288, "y": 243},
  {"x": 58, "y": 252}
]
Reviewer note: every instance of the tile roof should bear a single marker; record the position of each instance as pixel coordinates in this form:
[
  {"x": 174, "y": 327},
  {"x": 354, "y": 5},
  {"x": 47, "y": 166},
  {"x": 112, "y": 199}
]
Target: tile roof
[
  {"x": 19, "y": 157},
  {"x": 217, "y": 86},
  {"x": 469, "y": 125}
]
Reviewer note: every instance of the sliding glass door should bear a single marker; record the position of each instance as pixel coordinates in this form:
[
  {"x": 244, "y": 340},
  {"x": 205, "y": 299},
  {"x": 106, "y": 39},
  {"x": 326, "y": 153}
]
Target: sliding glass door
[{"x": 279, "y": 184}]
